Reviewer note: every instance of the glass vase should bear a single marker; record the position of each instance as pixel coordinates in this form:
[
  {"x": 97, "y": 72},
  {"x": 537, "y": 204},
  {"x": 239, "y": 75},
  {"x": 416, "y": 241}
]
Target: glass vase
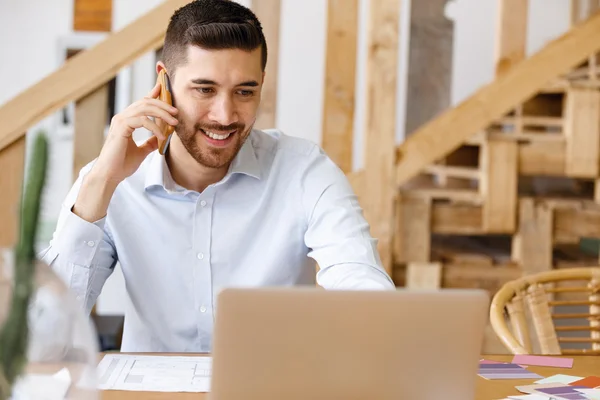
[{"x": 62, "y": 345}]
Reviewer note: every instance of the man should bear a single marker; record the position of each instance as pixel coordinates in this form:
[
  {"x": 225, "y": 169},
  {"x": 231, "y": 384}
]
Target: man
[{"x": 227, "y": 205}]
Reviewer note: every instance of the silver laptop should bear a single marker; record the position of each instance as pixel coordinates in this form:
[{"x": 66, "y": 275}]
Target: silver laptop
[{"x": 308, "y": 343}]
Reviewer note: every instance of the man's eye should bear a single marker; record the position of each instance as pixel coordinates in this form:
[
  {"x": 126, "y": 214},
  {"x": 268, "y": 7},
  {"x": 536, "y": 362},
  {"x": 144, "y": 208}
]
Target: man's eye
[
  {"x": 246, "y": 93},
  {"x": 205, "y": 90}
]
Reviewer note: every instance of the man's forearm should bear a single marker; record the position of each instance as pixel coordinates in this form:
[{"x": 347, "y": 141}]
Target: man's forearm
[{"x": 94, "y": 197}]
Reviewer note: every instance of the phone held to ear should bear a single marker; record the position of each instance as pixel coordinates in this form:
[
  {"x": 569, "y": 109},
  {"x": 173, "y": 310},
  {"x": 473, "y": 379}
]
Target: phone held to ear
[{"x": 166, "y": 96}]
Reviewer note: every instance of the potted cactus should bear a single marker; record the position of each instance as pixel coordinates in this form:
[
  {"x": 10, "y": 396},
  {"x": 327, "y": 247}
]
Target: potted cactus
[{"x": 14, "y": 331}]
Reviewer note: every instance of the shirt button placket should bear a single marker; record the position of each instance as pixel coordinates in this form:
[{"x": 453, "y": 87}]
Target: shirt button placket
[{"x": 203, "y": 282}]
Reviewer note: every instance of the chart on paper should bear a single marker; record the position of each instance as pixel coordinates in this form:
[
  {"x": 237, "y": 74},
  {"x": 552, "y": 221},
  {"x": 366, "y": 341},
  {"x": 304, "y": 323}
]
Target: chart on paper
[{"x": 154, "y": 373}]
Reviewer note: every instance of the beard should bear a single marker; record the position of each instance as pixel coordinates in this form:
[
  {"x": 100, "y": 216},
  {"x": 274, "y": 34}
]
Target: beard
[{"x": 205, "y": 154}]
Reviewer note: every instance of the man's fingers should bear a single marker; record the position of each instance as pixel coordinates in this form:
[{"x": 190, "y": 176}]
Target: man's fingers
[
  {"x": 149, "y": 145},
  {"x": 157, "y": 111},
  {"x": 153, "y": 94},
  {"x": 152, "y": 127},
  {"x": 141, "y": 121},
  {"x": 153, "y": 108}
]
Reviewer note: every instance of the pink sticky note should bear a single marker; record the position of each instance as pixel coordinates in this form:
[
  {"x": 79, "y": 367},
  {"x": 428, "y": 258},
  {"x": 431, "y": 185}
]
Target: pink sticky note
[
  {"x": 543, "y": 361},
  {"x": 490, "y": 362}
]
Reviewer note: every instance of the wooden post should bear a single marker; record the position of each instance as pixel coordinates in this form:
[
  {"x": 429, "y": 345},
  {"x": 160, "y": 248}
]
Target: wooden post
[
  {"x": 340, "y": 75},
  {"x": 92, "y": 15},
  {"x": 382, "y": 69},
  {"x": 269, "y": 15},
  {"x": 498, "y": 185},
  {"x": 532, "y": 245},
  {"x": 456, "y": 125},
  {"x": 91, "y": 118},
  {"x": 424, "y": 275},
  {"x": 412, "y": 238},
  {"x": 511, "y": 34},
  {"x": 12, "y": 165},
  {"x": 582, "y": 132}
]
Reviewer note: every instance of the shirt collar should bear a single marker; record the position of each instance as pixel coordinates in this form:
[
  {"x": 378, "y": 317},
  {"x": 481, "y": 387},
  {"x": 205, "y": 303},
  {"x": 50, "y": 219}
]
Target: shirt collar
[{"x": 245, "y": 162}]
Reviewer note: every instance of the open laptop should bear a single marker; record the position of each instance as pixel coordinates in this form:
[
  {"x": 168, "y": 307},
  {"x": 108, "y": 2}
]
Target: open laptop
[{"x": 308, "y": 343}]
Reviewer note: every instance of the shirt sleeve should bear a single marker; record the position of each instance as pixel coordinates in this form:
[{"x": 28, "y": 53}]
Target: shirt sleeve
[
  {"x": 337, "y": 234},
  {"x": 81, "y": 253}
]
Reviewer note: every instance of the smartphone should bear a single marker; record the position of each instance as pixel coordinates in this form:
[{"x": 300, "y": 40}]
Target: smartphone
[{"x": 166, "y": 96}]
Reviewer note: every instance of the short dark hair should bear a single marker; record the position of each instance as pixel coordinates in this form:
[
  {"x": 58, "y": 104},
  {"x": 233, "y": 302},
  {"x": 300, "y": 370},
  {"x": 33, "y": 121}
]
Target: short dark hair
[{"x": 211, "y": 25}]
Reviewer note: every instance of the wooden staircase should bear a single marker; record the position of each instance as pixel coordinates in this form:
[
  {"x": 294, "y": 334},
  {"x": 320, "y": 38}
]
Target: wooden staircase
[{"x": 470, "y": 172}]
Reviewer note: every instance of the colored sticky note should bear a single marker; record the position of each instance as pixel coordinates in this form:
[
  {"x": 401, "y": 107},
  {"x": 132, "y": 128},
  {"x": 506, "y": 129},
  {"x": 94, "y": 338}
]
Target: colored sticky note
[
  {"x": 489, "y": 362},
  {"x": 505, "y": 371},
  {"x": 543, "y": 361},
  {"x": 591, "y": 382},
  {"x": 499, "y": 366},
  {"x": 592, "y": 394},
  {"x": 529, "y": 397},
  {"x": 564, "y": 392},
  {"x": 531, "y": 389},
  {"x": 560, "y": 378},
  {"x": 511, "y": 375}
]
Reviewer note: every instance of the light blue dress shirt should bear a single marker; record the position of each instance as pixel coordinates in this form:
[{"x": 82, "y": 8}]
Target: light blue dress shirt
[{"x": 282, "y": 205}]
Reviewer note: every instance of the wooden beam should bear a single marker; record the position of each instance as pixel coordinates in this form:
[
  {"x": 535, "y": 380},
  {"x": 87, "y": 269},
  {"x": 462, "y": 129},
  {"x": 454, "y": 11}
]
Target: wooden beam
[
  {"x": 412, "y": 239},
  {"x": 498, "y": 185},
  {"x": 456, "y": 219},
  {"x": 92, "y": 15},
  {"x": 571, "y": 222},
  {"x": 445, "y": 133},
  {"x": 511, "y": 34},
  {"x": 382, "y": 70},
  {"x": 532, "y": 245},
  {"x": 340, "y": 75},
  {"x": 269, "y": 15},
  {"x": 582, "y": 132},
  {"x": 85, "y": 72},
  {"x": 424, "y": 275},
  {"x": 91, "y": 114},
  {"x": 12, "y": 165},
  {"x": 542, "y": 158}
]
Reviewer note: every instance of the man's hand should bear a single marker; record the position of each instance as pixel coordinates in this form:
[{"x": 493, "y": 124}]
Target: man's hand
[{"x": 120, "y": 156}]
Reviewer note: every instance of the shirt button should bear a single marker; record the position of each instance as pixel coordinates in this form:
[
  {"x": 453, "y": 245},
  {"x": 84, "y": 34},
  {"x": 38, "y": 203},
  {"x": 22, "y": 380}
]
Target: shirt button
[
  {"x": 91, "y": 243},
  {"x": 203, "y": 203},
  {"x": 202, "y": 309},
  {"x": 200, "y": 256}
]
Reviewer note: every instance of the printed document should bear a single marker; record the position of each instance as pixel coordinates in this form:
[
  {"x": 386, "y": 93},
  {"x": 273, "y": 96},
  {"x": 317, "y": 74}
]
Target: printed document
[{"x": 154, "y": 373}]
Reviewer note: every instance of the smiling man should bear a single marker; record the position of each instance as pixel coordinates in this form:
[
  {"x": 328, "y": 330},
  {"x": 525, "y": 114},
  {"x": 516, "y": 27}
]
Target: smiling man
[{"x": 227, "y": 204}]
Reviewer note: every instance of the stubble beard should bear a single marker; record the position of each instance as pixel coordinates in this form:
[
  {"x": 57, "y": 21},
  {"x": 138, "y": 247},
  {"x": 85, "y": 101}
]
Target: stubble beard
[{"x": 209, "y": 156}]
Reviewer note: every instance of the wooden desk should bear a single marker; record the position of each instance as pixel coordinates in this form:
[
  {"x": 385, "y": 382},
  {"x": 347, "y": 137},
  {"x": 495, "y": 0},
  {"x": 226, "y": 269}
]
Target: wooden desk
[{"x": 486, "y": 390}]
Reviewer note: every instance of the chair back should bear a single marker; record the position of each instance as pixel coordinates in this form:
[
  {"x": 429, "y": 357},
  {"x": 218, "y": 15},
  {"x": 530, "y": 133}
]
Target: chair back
[{"x": 552, "y": 313}]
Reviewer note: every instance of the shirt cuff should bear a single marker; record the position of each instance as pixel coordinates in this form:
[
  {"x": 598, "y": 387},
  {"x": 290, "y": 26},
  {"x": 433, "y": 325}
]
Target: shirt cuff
[{"x": 79, "y": 239}]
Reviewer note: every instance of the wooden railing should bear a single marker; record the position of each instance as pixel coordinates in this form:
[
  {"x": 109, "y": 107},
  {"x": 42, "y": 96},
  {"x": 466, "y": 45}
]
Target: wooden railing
[{"x": 83, "y": 79}]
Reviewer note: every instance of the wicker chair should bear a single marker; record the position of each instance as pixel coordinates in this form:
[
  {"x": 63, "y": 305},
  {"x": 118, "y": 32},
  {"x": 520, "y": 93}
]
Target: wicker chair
[{"x": 531, "y": 301}]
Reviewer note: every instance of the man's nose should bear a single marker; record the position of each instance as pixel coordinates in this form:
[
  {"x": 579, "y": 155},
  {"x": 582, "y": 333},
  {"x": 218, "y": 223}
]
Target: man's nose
[{"x": 223, "y": 111}]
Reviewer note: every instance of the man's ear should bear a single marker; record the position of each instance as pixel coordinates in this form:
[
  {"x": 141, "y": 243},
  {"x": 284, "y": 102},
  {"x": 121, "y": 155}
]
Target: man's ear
[{"x": 160, "y": 66}]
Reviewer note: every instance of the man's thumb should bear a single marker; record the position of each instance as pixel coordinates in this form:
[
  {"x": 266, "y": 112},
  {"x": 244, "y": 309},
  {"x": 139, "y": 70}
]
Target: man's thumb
[{"x": 150, "y": 145}]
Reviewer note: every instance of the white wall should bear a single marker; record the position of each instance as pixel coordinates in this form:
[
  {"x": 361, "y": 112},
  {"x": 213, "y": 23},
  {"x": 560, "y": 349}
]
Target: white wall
[
  {"x": 28, "y": 32},
  {"x": 30, "y": 54},
  {"x": 475, "y": 35}
]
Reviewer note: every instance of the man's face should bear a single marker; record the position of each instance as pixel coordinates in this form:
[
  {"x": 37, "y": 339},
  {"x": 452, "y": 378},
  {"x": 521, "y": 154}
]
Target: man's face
[{"x": 217, "y": 93}]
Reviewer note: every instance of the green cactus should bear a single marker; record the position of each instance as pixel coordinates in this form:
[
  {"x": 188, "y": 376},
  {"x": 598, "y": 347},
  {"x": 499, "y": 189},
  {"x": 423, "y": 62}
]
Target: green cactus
[{"x": 14, "y": 333}]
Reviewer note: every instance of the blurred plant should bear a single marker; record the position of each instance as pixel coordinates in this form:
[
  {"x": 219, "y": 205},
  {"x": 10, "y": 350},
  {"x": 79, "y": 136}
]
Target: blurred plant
[{"x": 14, "y": 333}]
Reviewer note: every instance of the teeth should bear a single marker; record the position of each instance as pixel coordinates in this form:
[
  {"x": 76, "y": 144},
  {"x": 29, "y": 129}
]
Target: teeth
[{"x": 217, "y": 137}]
